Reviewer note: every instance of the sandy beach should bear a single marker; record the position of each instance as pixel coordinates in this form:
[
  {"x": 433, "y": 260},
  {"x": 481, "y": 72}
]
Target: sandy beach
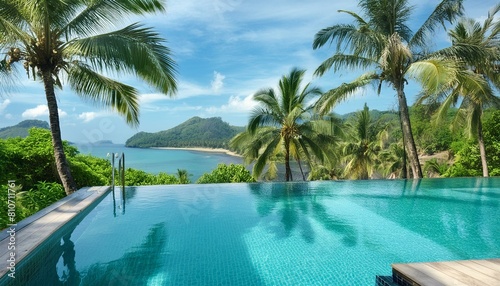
[{"x": 200, "y": 149}]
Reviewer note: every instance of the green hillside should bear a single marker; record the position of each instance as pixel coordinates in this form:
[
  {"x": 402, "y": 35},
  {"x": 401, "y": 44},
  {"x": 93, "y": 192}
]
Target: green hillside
[
  {"x": 195, "y": 132},
  {"x": 21, "y": 129}
]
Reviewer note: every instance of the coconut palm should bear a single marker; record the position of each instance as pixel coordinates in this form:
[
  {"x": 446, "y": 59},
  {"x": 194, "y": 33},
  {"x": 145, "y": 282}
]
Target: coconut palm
[
  {"x": 478, "y": 46},
  {"x": 384, "y": 42},
  {"x": 282, "y": 125},
  {"x": 58, "y": 41},
  {"x": 361, "y": 150}
]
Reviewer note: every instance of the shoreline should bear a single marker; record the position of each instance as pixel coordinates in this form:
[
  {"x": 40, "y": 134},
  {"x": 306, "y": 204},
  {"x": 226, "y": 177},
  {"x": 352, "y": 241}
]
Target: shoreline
[{"x": 201, "y": 149}]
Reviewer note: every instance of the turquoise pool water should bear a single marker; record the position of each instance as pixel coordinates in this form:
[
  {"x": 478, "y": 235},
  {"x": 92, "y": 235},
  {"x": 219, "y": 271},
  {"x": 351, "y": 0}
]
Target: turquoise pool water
[{"x": 317, "y": 233}]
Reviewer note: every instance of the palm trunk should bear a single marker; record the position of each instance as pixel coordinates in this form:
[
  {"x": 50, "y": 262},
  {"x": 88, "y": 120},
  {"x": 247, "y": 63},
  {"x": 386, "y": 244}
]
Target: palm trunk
[
  {"x": 301, "y": 171},
  {"x": 404, "y": 173},
  {"x": 482, "y": 150},
  {"x": 60, "y": 158},
  {"x": 409, "y": 142},
  {"x": 288, "y": 170}
]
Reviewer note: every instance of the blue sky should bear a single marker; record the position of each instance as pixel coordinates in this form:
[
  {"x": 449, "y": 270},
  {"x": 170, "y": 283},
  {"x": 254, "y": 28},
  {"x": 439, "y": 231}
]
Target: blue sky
[{"x": 225, "y": 50}]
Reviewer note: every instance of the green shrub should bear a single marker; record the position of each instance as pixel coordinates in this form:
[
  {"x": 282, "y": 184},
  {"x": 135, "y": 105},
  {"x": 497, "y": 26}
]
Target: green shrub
[
  {"x": 28, "y": 202},
  {"x": 135, "y": 177},
  {"x": 227, "y": 174},
  {"x": 90, "y": 171}
]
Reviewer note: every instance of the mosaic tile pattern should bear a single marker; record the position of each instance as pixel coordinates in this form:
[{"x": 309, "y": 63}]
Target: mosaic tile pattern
[
  {"x": 385, "y": 281},
  {"x": 332, "y": 233}
]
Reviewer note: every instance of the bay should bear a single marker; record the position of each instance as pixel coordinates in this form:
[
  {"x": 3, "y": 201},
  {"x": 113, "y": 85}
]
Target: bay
[{"x": 162, "y": 160}]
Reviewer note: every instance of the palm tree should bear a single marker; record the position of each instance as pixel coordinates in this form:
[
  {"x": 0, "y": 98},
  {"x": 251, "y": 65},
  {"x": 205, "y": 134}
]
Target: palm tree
[
  {"x": 183, "y": 176},
  {"x": 478, "y": 47},
  {"x": 385, "y": 42},
  {"x": 391, "y": 163},
  {"x": 59, "y": 40},
  {"x": 361, "y": 150},
  {"x": 282, "y": 125}
]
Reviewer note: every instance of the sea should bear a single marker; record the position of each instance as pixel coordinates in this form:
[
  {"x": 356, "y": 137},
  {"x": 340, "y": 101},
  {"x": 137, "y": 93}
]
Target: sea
[{"x": 162, "y": 160}]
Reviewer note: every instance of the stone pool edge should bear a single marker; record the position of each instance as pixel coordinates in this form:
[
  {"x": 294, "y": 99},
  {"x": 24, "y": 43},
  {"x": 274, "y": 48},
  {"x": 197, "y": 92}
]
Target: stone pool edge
[{"x": 19, "y": 240}]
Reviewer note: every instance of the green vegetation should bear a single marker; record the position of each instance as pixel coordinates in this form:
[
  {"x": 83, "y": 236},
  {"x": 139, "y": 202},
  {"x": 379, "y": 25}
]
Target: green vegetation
[
  {"x": 30, "y": 162},
  {"x": 195, "y": 132},
  {"x": 361, "y": 150},
  {"x": 382, "y": 44},
  {"x": 455, "y": 122},
  {"x": 283, "y": 126},
  {"x": 61, "y": 40},
  {"x": 227, "y": 174},
  {"x": 478, "y": 76},
  {"x": 30, "y": 201},
  {"x": 21, "y": 129}
]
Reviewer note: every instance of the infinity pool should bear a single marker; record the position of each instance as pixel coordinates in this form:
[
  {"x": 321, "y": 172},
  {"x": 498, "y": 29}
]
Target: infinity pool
[{"x": 316, "y": 233}]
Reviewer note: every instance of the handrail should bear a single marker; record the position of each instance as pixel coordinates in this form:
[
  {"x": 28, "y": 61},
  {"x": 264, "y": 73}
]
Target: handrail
[
  {"x": 121, "y": 168},
  {"x": 121, "y": 177}
]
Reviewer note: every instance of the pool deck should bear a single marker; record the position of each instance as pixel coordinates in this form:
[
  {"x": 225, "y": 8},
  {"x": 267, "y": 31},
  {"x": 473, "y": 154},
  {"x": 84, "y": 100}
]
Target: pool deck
[
  {"x": 461, "y": 272},
  {"x": 26, "y": 235}
]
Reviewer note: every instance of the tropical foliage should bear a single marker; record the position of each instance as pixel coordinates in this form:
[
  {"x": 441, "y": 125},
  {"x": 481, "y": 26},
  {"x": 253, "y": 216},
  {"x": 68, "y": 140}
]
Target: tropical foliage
[
  {"x": 55, "y": 40},
  {"x": 283, "y": 126},
  {"x": 381, "y": 42},
  {"x": 477, "y": 46},
  {"x": 361, "y": 150},
  {"x": 227, "y": 174},
  {"x": 30, "y": 163}
]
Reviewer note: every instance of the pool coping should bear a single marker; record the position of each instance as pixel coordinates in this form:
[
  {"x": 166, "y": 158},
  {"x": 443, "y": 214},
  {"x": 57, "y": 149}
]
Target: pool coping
[{"x": 19, "y": 240}]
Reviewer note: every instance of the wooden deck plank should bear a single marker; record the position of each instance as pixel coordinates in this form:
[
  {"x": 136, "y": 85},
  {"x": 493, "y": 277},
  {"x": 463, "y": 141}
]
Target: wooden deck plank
[
  {"x": 476, "y": 265},
  {"x": 496, "y": 261},
  {"x": 488, "y": 263},
  {"x": 421, "y": 275},
  {"x": 462, "y": 272}
]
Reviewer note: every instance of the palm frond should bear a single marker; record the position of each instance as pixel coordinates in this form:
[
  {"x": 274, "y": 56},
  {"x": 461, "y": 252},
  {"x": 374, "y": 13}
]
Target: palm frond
[
  {"x": 132, "y": 49},
  {"x": 445, "y": 11},
  {"x": 13, "y": 26},
  {"x": 262, "y": 117},
  {"x": 105, "y": 91},
  {"x": 267, "y": 100},
  {"x": 46, "y": 15},
  {"x": 359, "y": 40},
  {"x": 488, "y": 23},
  {"x": 339, "y": 61},
  {"x": 434, "y": 74},
  {"x": 339, "y": 32},
  {"x": 388, "y": 17},
  {"x": 99, "y": 14},
  {"x": 265, "y": 155},
  {"x": 450, "y": 101},
  {"x": 329, "y": 99}
]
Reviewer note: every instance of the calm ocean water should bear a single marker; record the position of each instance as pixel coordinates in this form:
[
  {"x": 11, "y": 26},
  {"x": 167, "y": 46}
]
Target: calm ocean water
[{"x": 168, "y": 161}]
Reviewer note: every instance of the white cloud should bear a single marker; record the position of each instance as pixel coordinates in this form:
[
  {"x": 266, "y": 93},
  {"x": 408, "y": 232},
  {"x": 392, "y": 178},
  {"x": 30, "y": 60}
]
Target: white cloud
[
  {"x": 91, "y": 115},
  {"x": 218, "y": 81},
  {"x": 4, "y": 105},
  {"x": 8, "y": 116},
  {"x": 235, "y": 104},
  {"x": 151, "y": 97},
  {"x": 186, "y": 89},
  {"x": 87, "y": 116},
  {"x": 39, "y": 111}
]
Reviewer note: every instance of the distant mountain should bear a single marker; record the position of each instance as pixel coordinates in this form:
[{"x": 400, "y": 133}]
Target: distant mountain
[
  {"x": 195, "y": 132},
  {"x": 21, "y": 129}
]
